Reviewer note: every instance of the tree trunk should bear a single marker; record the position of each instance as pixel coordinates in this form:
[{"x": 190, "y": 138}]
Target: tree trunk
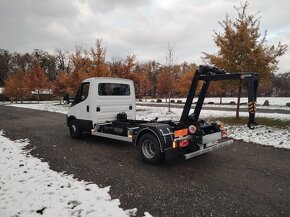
[
  {"x": 239, "y": 100},
  {"x": 169, "y": 103},
  {"x": 38, "y": 96},
  {"x": 221, "y": 100}
]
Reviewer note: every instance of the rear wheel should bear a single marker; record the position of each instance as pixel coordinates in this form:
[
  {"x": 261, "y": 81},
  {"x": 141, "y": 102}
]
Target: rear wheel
[
  {"x": 149, "y": 149},
  {"x": 74, "y": 130}
]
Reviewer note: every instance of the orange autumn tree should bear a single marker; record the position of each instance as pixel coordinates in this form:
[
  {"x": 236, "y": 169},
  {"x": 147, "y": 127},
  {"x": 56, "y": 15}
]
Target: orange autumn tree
[
  {"x": 16, "y": 86},
  {"x": 165, "y": 81},
  {"x": 144, "y": 84},
  {"x": 62, "y": 85},
  {"x": 99, "y": 67},
  {"x": 183, "y": 83},
  {"x": 38, "y": 81},
  {"x": 81, "y": 67},
  {"x": 242, "y": 48}
]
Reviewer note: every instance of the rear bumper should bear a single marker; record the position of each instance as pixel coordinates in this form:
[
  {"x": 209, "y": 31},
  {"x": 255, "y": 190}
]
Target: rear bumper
[{"x": 205, "y": 150}]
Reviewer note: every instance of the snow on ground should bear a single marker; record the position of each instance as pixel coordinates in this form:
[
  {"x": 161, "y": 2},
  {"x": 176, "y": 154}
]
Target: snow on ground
[
  {"x": 29, "y": 188},
  {"x": 263, "y": 135},
  {"x": 272, "y": 136},
  {"x": 213, "y": 106},
  {"x": 45, "y": 106},
  {"x": 150, "y": 113},
  {"x": 274, "y": 101}
]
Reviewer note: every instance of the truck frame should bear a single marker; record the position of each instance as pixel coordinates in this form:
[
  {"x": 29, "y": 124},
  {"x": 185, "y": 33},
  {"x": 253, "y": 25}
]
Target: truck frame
[{"x": 189, "y": 137}]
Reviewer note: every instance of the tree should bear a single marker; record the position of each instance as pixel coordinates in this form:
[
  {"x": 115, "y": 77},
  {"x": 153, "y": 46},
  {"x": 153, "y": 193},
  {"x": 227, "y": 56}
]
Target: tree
[
  {"x": 281, "y": 84},
  {"x": 38, "y": 81},
  {"x": 99, "y": 65},
  {"x": 16, "y": 86},
  {"x": 242, "y": 48},
  {"x": 5, "y": 63},
  {"x": 62, "y": 61},
  {"x": 23, "y": 62},
  {"x": 47, "y": 62},
  {"x": 62, "y": 85},
  {"x": 81, "y": 67},
  {"x": 166, "y": 77},
  {"x": 153, "y": 71},
  {"x": 165, "y": 82},
  {"x": 183, "y": 83},
  {"x": 143, "y": 82}
]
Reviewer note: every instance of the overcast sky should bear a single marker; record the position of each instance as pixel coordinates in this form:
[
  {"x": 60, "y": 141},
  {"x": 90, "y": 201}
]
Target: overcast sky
[{"x": 140, "y": 27}]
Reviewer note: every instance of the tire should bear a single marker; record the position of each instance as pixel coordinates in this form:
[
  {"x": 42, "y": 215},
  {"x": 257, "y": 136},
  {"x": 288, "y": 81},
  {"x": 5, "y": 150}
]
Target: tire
[
  {"x": 74, "y": 130},
  {"x": 149, "y": 149}
]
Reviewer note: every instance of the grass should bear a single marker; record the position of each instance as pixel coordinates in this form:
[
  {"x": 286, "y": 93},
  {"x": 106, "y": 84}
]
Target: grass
[
  {"x": 140, "y": 110},
  {"x": 260, "y": 120}
]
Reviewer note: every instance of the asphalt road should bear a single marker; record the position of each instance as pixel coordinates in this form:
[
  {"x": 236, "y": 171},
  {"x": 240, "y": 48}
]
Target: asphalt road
[{"x": 241, "y": 180}]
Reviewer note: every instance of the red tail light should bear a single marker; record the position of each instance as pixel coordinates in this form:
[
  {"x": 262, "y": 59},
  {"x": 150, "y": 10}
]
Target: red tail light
[{"x": 183, "y": 143}]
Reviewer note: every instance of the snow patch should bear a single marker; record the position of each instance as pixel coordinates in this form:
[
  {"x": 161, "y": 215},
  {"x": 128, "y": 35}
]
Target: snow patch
[
  {"x": 263, "y": 135},
  {"x": 29, "y": 188}
]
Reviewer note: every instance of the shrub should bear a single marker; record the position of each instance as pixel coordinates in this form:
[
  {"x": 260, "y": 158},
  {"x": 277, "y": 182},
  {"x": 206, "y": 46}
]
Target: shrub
[
  {"x": 179, "y": 101},
  {"x": 232, "y": 103},
  {"x": 159, "y": 100},
  {"x": 266, "y": 103},
  {"x": 210, "y": 103},
  {"x": 172, "y": 101}
]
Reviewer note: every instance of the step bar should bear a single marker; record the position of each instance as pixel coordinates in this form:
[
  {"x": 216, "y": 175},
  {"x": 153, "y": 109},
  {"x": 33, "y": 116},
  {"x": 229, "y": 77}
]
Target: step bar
[{"x": 203, "y": 151}]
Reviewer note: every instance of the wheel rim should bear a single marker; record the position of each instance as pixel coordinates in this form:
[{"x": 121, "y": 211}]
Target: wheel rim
[
  {"x": 73, "y": 129},
  {"x": 148, "y": 148}
]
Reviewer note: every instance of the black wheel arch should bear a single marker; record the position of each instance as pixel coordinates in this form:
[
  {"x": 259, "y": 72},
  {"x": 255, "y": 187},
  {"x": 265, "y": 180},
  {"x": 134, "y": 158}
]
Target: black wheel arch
[
  {"x": 69, "y": 119},
  {"x": 147, "y": 131}
]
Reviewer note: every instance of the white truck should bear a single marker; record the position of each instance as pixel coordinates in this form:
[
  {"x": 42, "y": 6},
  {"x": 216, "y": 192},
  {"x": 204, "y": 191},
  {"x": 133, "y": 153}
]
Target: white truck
[{"x": 106, "y": 107}]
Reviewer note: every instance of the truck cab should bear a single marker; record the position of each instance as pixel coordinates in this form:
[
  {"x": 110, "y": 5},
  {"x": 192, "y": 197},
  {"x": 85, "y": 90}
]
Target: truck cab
[{"x": 99, "y": 100}]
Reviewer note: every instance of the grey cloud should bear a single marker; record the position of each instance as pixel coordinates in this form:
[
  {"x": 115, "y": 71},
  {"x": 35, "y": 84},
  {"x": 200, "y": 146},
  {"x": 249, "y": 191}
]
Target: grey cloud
[{"x": 131, "y": 26}]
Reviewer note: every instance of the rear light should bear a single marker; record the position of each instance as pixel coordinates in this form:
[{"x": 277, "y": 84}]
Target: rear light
[
  {"x": 192, "y": 129},
  {"x": 183, "y": 143}
]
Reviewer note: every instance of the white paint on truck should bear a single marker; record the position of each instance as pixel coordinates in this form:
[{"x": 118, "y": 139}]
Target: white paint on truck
[{"x": 101, "y": 99}]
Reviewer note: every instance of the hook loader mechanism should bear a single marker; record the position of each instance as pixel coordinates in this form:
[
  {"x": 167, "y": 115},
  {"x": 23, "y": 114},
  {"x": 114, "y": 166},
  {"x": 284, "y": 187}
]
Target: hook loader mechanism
[{"x": 208, "y": 74}]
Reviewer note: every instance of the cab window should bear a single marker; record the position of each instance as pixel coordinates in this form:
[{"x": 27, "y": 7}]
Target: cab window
[
  {"x": 113, "y": 89},
  {"x": 82, "y": 93}
]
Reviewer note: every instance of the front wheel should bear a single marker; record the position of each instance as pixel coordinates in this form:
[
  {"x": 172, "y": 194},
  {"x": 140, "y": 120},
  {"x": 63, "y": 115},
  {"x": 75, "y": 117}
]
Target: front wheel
[
  {"x": 74, "y": 130},
  {"x": 149, "y": 149}
]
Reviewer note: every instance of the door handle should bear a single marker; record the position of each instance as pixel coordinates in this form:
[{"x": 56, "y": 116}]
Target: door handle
[
  {"x": 98, "y": 109},
  {"x": 88, "y": 108}
]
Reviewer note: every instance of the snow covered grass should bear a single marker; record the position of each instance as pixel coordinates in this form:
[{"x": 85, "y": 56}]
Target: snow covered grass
[
  {"x": 274, "y": 101},
  {"x": 213, "y": 106},
  {"x": 29, "y": 188},
  {"x": 271, "y": 136}
]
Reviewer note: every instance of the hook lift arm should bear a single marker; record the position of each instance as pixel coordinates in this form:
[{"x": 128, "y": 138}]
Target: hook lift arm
[{"x": 207, "y": 74}]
